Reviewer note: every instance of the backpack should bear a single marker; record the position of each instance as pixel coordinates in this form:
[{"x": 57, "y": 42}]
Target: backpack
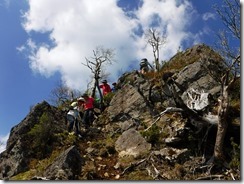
[{"x": 144, "y": 63}]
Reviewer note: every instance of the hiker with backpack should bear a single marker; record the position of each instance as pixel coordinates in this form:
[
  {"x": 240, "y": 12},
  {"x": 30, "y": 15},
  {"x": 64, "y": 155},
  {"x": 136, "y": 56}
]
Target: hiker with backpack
[
  {"x": 144, "y": 66},
  {"x": 88, "y": 106},
  {"x": 73, "y": 118},
  {"x": 105, "y": 87}
]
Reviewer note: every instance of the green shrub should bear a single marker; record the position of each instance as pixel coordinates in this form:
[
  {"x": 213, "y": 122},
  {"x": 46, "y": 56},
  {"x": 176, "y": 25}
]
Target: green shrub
[
  {"x": 42, "y": 136},
  {"x": 152, "y": 135},
  {"x": 107, "y": 98},
  {"x": 235, "y": 159},
  {"x": 105, "y": 146}
]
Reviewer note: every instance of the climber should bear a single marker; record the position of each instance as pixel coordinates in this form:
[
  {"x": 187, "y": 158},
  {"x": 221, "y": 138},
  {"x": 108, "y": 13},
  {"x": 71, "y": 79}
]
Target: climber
[
  {"x": 114, "y": 88},
  {"x": 88, "y": 107},
  {"x": 80, "y": 106},
  {"x": 73, "y": 118},
  {"x": 105, "y": 87},
  {"x": 144, "y": 66}
]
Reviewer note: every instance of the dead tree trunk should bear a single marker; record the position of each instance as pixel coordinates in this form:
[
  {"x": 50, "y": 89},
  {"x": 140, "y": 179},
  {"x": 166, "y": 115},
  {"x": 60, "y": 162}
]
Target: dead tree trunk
[
  {"x": 100, "y": 94},
  {"x": 222, "y": 125},
  {"x": 94, "y": 89},
  {"x": 222, "y": 114}
]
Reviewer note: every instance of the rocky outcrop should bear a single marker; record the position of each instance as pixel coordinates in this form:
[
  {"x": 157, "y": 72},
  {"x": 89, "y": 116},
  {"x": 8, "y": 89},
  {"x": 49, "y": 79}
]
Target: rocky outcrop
[
  {"x": 15, "y": 159},
  {"x": 18, "y": 131}
]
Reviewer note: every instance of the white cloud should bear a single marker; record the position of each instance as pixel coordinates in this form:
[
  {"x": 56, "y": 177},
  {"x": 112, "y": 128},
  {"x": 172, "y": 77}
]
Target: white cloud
[
  {"x": 3, "y": 142},
  {"x": 208, "y": 15},
  {"x": 77, "y": 27},
  {"x": 174, "y": 19}
]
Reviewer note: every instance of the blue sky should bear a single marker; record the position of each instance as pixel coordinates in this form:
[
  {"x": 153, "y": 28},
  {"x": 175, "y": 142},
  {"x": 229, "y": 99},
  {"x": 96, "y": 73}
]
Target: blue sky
[{"x": 45, "y": 41}]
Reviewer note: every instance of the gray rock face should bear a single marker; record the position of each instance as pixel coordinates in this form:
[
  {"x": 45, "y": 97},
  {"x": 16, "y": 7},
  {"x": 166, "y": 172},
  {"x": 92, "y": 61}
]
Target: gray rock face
[
  {"x": 197, "y": 76},
  {"x": 127, "y": 101},
  {"x": 67, "y": 166},
  {"x": 13, "y": 162}
]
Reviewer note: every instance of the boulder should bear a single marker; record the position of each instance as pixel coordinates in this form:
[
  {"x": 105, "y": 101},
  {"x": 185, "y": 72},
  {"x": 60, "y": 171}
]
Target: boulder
[
  {"x": 131, "y": 143},
  {"x": 67, "y": 166}
]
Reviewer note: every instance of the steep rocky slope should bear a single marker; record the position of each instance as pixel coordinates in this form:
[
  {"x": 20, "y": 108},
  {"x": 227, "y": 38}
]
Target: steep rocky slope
[{"x": 141, "y": 135}]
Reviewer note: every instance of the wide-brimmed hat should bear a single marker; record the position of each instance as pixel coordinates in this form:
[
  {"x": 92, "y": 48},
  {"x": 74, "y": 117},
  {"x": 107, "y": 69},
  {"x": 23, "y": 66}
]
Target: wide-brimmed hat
[
  {"x": 104, "y": 81},
  {"x": 81, "y": 99}
]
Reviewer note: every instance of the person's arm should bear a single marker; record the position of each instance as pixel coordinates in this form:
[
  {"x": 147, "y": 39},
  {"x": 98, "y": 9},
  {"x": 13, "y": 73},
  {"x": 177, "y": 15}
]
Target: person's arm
[
  {"x": 109, "y": 88},
  {"x": 77, "y": 114},
  {"x": 149, "y": 65}
]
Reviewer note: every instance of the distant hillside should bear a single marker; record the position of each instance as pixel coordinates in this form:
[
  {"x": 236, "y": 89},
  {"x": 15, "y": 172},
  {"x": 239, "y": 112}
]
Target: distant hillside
[{"x": 158, "y": 126}]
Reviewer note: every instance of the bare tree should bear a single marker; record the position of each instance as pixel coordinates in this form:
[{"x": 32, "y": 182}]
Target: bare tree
[
  {"x": 156, "y": 40},
  {"x": 230, "y": 16},
  {"x": 101, "y": 57},
  {"x": 61, "y": 94}
]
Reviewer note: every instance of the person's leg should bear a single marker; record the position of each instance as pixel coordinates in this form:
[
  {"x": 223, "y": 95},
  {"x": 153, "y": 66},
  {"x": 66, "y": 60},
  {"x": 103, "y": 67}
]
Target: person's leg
[
  {"x": 77, "y": 128},
  {"x": 70, "y": 120},
  {"x": 91, "y": 117},
  {"x": 86, "y": 118}
]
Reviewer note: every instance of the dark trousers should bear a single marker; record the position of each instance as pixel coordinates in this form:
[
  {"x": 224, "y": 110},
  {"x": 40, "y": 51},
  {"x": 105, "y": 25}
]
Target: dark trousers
[
  {"x": 88, "y": 117},
  {"x": 71, "y": 122}
]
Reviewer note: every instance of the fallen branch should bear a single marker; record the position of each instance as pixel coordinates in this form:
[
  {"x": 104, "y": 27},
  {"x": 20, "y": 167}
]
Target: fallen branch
[
  {"x": 157, "y": 173},
  {"x": 232, "y": 176},
  {"x": 133, "y": 165},
  {"x": 211, "y": 177},
  {"x": 168, "y": 109}
]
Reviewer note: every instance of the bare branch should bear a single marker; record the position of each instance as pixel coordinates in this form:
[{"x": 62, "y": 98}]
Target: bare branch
[
  {"x": 100, "y": 58},
  {"x": 156, "y": 40},
  {"x": 61, "y": 94},
  {"x": 230, "y": 15}
]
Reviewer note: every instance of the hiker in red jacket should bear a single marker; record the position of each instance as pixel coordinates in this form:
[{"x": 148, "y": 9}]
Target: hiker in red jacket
[
  {"x": 105, "y": 87},
  {"x": 88, "y": 107}
]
